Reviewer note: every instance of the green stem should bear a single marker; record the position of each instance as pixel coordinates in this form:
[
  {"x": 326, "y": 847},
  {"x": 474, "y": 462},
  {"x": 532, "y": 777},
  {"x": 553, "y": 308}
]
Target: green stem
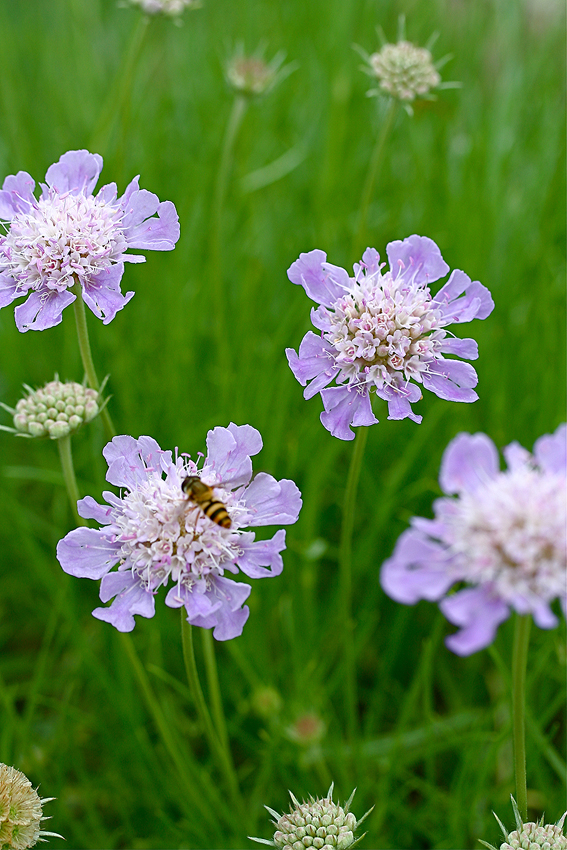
[
  {"x": 214, "y": 687},
  {"x": 220, "y": 752},
  {"x": 345, "y": 578},
  {"x": 372, "y": 174},
  {"x": 117, "y": 102},
  {"x": 169, "y": 742},
  {"x": 86, "y": 356},
  {"x": 218, "y": 290},
  {"x": 519, "y": 664},
  {"x": 66, "y": 457}
]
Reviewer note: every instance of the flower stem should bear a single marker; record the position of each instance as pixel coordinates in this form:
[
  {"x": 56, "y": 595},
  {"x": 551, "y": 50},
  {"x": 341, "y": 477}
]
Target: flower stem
[
  {"x": 345, "y": 577},
  {"x": 218, "y": 290},
  {"x": 86, "y": 356},
  {"x": 519, "y": 664},
  {"x": 213, "y": 686},
  {"x": 66, "y": 457},
  {"x": 117, "y": 103},
  {"x": 220, "y": 752},
  {"x": 159, "y": 719},
  {"x": 372, "y": 174}
]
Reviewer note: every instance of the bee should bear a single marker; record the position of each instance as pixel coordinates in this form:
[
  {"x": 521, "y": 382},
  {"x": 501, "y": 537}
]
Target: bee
[{"x": 200, "y": 493}]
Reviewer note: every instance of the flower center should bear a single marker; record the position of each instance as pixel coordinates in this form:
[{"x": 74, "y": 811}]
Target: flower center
[
  {"x": 61, "y": 238},
  {"x": 163, "y": 535},
  {"x": 512, "y": 532},
  {"x": 380, "y": 329}
]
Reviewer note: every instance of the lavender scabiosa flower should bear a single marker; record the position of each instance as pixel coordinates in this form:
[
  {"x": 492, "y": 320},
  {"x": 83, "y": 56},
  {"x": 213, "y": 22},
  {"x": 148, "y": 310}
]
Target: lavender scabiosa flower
[
  {"x": 156, "y": 535},
  {"x": 504, "y": 535},
  {"x": 381, "y": 330},
  {"x": 70, "y": 236},
  {"x": 531, "y": 836},
  {"x": 21, "y": 811},
  {"x": 318, "y": 823}
]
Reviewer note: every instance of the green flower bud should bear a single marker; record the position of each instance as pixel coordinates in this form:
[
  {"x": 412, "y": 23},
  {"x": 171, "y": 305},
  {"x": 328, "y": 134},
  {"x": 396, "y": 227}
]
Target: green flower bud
[
  {"x": 319, "y": 823},
  {"x": 55, "y": 410},
  {"x": 531, "y": 836}
]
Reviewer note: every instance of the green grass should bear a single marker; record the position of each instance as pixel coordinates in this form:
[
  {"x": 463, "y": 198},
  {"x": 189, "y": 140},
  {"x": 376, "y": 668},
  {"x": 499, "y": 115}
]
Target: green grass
[{"x": 480, "y": 171}]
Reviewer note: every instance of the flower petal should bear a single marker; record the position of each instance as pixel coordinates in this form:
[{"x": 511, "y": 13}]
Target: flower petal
[
  {"x": 132, "y": 599},
  {"x": 478, "y": 613},
  {"x": 467, "y": 348},
  {"x": 228, "y": 454},
  {"x": 317, "y": 277},
  {"x": 451, "y": 379},
  {"x": 550, "y": 451},
  {"x": 158, "y": 234},
  {"x": 477, "y": 302},
  {"x": 271, "y": 502},
  {"x": 101, "y": 293},
  {"x": 42, "y": 309},
  {"x": 130, "y": 460},
  {"x": 229, "y": 619},
  {"x": 261, "y": 559},
  {"x": 342, "y": 406},
  {"x": 76, "y": 172},
  {"x": 8, "y": 290},
  {"x": 90, "y": 509},
  {"x": 419, "y": 568},
  {"x": 87, "y": 553},
  {"x": 313, "y": 361},
  {"x": 416, "y": 258},
  {"x": 16, "y": 195},
  {"x": 469, "y": 462},
  {"x": 399, "y": 398}
]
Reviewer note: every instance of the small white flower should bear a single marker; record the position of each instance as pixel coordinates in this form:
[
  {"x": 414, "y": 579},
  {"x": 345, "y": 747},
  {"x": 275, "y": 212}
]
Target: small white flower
[
  {"x": 54, "y": 410},
  {"x": 531, "y": 836}
]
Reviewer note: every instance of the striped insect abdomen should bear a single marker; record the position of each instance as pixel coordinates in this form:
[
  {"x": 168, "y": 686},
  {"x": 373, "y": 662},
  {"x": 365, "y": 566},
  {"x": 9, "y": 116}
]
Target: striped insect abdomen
[{"x": 216, "y": 512}]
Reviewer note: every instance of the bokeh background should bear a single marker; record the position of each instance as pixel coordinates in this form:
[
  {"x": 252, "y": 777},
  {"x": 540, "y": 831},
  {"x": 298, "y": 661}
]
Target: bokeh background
[{"x": 480, "y": 171}]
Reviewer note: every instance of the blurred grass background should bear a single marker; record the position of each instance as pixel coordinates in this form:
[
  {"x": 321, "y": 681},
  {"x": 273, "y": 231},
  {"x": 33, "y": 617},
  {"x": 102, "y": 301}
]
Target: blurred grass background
[{"x": 481, "y": 171}]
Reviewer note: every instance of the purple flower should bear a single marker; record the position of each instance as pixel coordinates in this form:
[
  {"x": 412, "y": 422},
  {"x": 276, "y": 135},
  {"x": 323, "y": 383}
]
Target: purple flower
[
  {"x": 156, "y": 535},
  {"x": 504, "y": 535},
  {"x": 381, "y": 330},
  {"x": 70, "y": 235}
]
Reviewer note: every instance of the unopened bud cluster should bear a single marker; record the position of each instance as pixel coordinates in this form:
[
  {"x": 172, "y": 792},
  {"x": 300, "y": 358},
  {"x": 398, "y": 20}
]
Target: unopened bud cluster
[
  {"x": 535, "y": 836},
  {"x": 319, "y": 823},
  {"x": 55, "y": 410},
  {"x": 21, "y": 811},
  {"x": 404, "y": 70},
  {"x": 531, "y": 836},
  {"x": 250, "y": 75}
]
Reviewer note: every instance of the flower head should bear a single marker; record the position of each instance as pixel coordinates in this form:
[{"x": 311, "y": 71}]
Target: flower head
[
  {"x": 54, "y": 410},
  {"x": 252, "y": 75},
  {"x": 157, "y": 535},
  {"x": 319, "y": 823},
  {"x": 404, "y": 71},
  {"x": 381, "y": 330},
  {"x": 21, "y": 811},
  {"x": 173, "y": 8},
  {"x": 531, "y": 836},
  {"x": 69, "y": 238},
  {"x": 503, "y": 534}
]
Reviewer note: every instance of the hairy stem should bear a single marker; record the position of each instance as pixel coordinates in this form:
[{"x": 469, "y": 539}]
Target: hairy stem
[
  {"x": 86, "y": 356},
  {"x": 519, "y": 664},
  {"x": 220, "y": 752},
  {"x": 345, "y": 579},
  {"x": 214, "y": 687},
  {"x": 371, "y": 176},
  {"x": 66, "y": 457},
  {"x": 218, "y": 290}
]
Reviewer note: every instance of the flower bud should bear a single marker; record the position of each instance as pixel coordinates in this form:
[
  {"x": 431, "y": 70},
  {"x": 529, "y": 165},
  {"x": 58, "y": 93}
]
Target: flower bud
[
  {"x": 55, "y": 410},
  {"x": 21, "y": 811},
  {"x": 531, "y": 836},
  {"x": 319, "y": 823},
  {"x": 404, "y": 70}
]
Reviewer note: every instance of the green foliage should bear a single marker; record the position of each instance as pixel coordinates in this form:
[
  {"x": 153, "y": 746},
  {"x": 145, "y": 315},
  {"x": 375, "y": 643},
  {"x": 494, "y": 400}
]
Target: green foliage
[{"x": 481, "y": 171}]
